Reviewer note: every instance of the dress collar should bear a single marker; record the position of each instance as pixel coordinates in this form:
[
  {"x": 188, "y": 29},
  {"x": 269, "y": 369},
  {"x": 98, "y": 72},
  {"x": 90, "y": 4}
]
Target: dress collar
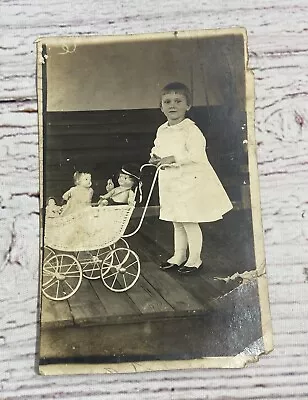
[{"x": 186, "y": 121}]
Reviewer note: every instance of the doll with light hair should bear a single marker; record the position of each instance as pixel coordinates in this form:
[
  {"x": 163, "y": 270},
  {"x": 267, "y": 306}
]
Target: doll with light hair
[{"x": 79, "y": 196}]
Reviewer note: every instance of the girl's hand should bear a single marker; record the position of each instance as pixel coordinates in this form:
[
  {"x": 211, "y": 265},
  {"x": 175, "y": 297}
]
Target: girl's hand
[
  {"x": 166, "y": 161},
  {"x": 154, "y": 159}
]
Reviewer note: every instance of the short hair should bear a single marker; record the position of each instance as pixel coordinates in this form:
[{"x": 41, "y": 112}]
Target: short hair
[{"x": 178, "y": 87}]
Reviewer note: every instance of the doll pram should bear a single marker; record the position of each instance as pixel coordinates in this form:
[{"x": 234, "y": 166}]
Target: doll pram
[{"x": 90, "y": 244}]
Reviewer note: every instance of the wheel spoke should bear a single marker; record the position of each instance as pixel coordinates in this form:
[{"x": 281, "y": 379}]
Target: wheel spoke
[
  {"x": 129, "y": 273},
  {"x": 115, "y": 278},
  {"x": 57, "y": 293},
  {"x": 69, "y": 267},
  {"x": 49, "y": 269},
  {"x": 84, "y": 263},
  {"x": 47, "y": 253},
  {"x": 103, "y": 253},
  {"x": 89, "y": 269},
  {"x": 68, "y": 273},
  {"x": 109, "y": 276},
  {"x": 134, "y": 262},
  {"x": 117, "y": 257},
  {"x": 51, "y": 284},
  {"x": 125, "y": 284},
  {"x": 47, "y": 264},
  {"x": 69, "y": 285},
  {"x": 48, "y": 273},
  {"x": 92, "y": 272}
]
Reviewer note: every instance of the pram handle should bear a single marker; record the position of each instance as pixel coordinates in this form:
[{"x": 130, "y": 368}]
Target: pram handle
[{"x": 149, "y": 196}]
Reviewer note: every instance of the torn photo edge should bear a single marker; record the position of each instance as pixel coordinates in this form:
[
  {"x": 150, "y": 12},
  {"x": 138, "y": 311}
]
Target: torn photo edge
[{"x": 243, "y": 358}]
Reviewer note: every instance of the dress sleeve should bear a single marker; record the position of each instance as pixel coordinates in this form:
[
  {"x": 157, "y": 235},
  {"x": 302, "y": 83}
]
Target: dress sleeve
[
  {"x": 194, "y": 148},
  {"x": 156, "y": 149}
]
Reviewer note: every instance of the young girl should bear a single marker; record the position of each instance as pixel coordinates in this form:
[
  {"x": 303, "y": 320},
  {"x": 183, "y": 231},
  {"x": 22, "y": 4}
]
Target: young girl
[
  {"x": 79, "y": 196},
  {"x": 189, "y": 190},
  {"x": 128, "y": 180}
]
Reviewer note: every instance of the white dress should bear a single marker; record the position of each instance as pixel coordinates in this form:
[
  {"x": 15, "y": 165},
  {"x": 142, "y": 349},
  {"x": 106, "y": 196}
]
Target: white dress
[
  {"x": 78, "y": 198},
  {"x": 189, "y": 190}
]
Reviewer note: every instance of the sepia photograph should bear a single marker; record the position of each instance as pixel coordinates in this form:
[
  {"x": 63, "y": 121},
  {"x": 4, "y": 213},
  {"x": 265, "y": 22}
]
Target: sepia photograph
[{"x": 151, "y": 236}]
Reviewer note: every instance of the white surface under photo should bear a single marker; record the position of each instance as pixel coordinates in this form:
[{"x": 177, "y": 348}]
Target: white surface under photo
[{"x": 152, "y": 251}]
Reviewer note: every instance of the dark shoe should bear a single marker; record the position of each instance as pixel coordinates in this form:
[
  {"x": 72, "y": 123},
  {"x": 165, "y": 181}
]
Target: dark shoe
[
  {"x": 166, "y": 265},
  {"x": 189, "y": 270}
]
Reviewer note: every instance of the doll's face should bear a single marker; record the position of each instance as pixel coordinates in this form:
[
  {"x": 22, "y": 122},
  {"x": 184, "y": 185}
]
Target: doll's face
[
  {"x": 125, "y": 181},
  {"x": 174, "y": 105},
  {"x": 51, "y": 202},
  {"x": 84, "y": 180}
]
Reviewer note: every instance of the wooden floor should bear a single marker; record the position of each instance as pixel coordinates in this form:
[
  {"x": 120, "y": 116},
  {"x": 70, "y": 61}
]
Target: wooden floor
[
  {"x": 141, "y": 323},
  {"x": 157, "y": 294}
]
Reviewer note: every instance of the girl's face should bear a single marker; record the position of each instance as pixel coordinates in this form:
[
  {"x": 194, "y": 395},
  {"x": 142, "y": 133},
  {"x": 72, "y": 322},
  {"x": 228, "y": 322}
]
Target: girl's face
[
  {"x": 51, "y": 202},
  {"x": 85, "y": 180},
  {"x": 125, "y": 181},
  {"x": 174, "y": 106}
]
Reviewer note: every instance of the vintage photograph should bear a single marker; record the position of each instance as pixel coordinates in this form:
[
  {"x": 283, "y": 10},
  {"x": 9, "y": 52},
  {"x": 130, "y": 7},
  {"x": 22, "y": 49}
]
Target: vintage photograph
[{"x": 151, "y": 238}]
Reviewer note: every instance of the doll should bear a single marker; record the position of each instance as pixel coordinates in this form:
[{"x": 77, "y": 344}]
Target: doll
[
  {"x": 52, "y": 210},
  {"x": 128, "y": 180},
  {"x": 79, "y": 196}
]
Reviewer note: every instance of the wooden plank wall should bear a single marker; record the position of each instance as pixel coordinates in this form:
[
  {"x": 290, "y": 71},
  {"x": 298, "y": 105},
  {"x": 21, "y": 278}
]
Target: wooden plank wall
[
  {"x": 278, "y": 56},
  {"x": 102, "y": 141}
]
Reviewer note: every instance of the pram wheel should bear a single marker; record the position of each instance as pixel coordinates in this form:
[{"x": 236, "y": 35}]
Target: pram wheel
[
  {"x": 91, "y": 262},
  {"x": 62, "y": 275},
  {"x": 120, "y": 269},
  {"x": 47, "y": 253}
]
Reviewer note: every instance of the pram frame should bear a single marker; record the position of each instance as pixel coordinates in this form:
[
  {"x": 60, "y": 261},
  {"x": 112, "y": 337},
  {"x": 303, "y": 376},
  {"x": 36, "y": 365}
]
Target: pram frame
[{"x": 108, "y": 263}]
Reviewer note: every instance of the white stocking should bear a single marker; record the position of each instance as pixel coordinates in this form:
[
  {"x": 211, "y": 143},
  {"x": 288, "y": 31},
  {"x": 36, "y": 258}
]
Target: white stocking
[
  {"x": 180, "y": 244},
  {"x": 194, "y": 237}
]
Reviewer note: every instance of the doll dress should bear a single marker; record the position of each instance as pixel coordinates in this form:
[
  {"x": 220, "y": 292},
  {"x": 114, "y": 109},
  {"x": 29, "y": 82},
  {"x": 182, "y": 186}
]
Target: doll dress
[
  {"x": 80, "y": 198},
  {"x": 189, "y": 189}
]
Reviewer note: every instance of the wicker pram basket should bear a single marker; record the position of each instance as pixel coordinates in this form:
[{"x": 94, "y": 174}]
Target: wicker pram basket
[{"x": 89, "y": 229}]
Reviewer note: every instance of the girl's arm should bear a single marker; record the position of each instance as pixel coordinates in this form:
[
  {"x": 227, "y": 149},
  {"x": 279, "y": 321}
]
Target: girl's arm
[
  {"x": 194, "y": 148},
  {"x": 154, "y": 154}
]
